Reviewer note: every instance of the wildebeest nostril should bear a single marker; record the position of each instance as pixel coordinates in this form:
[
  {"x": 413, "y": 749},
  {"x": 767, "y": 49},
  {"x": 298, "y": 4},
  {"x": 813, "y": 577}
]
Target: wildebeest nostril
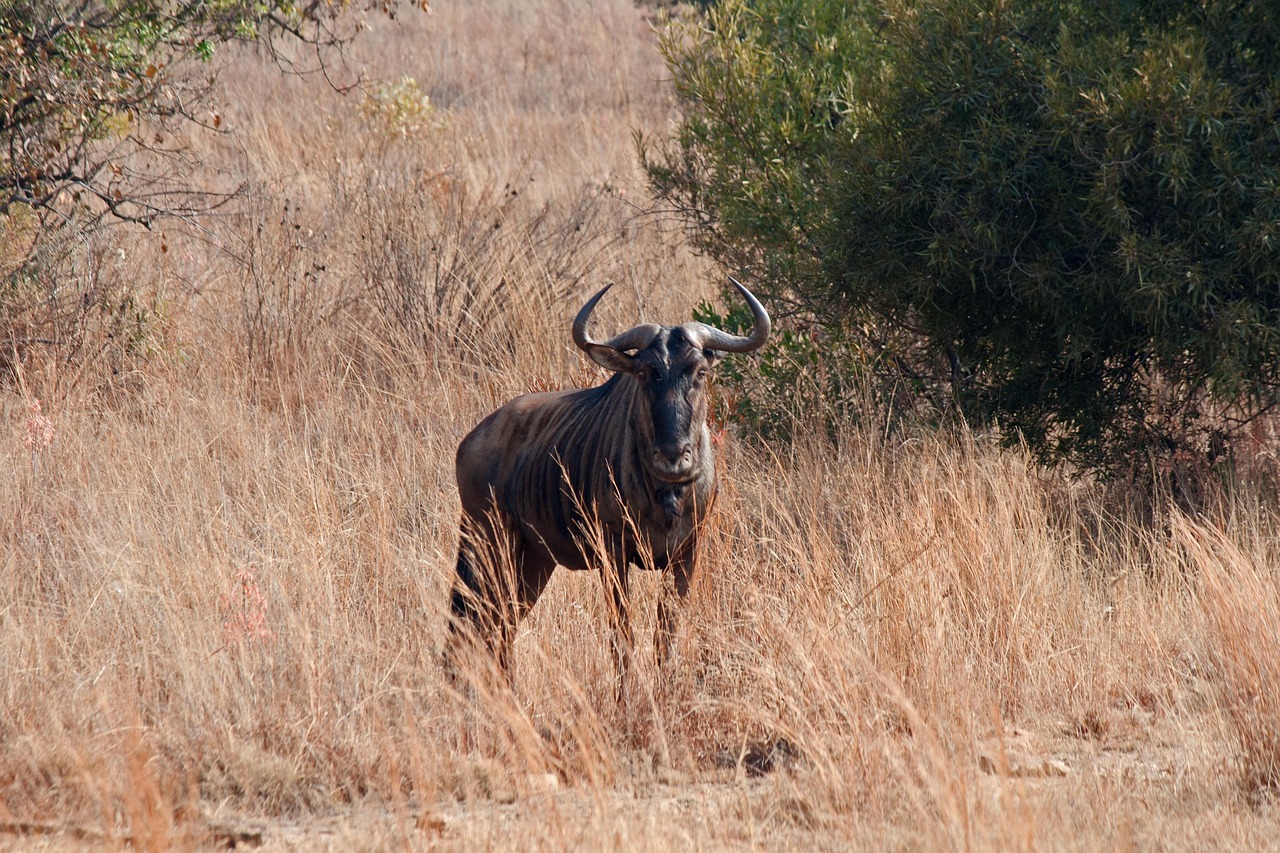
[{"x": 673, "y": 454}]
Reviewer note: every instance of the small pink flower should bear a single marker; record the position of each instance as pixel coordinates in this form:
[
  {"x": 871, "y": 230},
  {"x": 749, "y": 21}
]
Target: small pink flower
[
  {"x": 246, "y": 606},
  {"x": 40, "y": 433}
]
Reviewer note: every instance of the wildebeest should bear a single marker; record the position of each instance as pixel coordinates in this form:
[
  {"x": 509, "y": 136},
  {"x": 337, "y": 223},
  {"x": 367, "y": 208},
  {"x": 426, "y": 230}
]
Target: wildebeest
[{"x": 599, "y": 478}]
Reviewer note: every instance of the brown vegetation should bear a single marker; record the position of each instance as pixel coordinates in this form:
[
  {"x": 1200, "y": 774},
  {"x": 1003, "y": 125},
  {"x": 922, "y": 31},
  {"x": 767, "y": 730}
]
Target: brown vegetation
[{"x": 228, "y": 536}]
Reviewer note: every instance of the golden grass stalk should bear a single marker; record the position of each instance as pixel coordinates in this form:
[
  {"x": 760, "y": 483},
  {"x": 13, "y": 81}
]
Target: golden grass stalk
[{"x": 1240, "y": 599}]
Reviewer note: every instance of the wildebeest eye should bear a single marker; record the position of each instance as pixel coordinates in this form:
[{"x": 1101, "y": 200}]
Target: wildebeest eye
[{"x": 703, "y": 373}]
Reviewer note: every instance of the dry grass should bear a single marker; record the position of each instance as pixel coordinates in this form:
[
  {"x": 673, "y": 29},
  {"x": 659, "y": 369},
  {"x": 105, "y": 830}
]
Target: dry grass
[{"x": 226, "y": 549}]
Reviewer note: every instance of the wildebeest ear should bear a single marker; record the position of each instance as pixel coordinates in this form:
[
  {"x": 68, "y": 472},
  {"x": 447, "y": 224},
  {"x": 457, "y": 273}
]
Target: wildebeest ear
[
  {"x": 611, "y": 359},
  {"x": 712, "y": 356}
]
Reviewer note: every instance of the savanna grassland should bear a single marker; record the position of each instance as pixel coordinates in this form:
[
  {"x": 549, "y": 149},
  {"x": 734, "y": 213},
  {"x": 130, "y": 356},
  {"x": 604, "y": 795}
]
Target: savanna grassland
[{"x": 228, "y": 525}]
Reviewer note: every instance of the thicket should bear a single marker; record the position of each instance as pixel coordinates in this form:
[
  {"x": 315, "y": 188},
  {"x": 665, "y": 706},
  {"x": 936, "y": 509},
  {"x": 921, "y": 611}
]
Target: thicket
[{"x": 1059, "y": 218}]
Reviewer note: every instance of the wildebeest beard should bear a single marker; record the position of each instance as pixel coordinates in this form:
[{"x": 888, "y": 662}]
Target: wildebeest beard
[{"x": 671, "y": 497}]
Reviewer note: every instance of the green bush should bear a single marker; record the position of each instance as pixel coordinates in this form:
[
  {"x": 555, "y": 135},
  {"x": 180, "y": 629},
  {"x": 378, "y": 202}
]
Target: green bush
[
  {"x": 784, "y": 389},
  {"x": 1063, "y": 214},
  {"x": 811, "y": 380}
]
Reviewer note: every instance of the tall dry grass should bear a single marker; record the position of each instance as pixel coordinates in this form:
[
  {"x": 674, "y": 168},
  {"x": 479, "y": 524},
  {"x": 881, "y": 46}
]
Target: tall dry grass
[{"x": 228, "y": 537}]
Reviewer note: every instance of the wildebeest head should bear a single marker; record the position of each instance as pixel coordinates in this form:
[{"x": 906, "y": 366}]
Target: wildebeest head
[{"x": 672, "y": 365}]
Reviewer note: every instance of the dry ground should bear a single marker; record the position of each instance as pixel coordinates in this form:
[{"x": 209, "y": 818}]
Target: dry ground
[{"x": 224, "y": 556}]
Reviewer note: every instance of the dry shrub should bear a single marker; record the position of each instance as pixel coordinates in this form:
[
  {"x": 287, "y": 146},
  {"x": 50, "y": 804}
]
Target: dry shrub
[{"x": 469, "y": 271}]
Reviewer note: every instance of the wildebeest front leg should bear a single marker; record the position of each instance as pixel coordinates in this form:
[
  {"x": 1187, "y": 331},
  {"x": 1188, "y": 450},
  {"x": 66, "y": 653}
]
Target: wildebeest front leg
[
  {"x": 498, "y": 582},
  {"x": 675, "y": 588},
  {"x": 618, "y": 604}
]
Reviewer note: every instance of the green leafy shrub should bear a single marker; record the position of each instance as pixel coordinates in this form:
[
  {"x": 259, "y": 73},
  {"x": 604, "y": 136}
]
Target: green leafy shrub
[
  {"x": 1061, "y": 215},
  {"x": 812, "y": 379}
]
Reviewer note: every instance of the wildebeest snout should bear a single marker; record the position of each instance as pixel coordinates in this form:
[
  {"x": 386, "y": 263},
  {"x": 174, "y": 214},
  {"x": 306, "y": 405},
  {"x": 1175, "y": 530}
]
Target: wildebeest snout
[{"x": 673, "y": 460}]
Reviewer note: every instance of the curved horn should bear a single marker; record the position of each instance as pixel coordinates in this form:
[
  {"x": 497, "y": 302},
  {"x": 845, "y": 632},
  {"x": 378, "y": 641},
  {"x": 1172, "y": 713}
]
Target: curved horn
[
  {"x": 713, "y": 338},
  {"x": 637, "y": 338}
]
